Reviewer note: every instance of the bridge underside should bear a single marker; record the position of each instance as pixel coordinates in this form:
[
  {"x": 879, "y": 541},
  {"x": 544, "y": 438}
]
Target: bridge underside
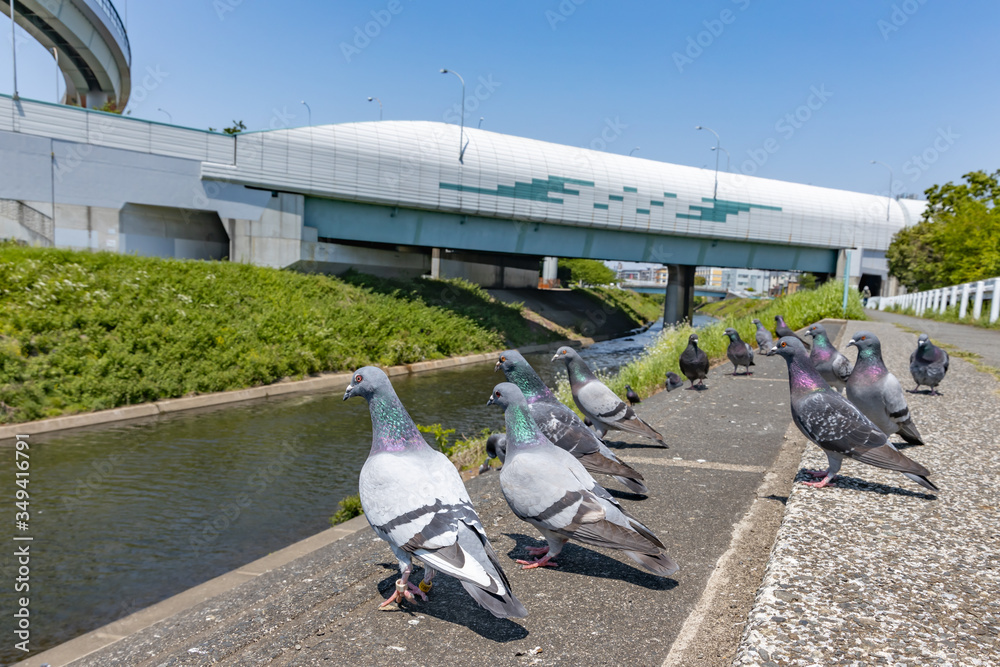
[{"x": 386, "y": 224}]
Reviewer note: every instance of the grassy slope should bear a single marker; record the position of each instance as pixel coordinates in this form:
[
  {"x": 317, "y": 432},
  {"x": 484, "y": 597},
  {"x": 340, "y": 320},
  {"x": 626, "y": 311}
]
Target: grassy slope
[
  {"x": 85, "y": 331},
  {"x": 648, "y": 372}
]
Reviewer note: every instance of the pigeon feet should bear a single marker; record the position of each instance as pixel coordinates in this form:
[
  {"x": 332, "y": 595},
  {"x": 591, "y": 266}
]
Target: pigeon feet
[
  {"x": 820, "y": 484},
  {"x": 815, "y": 473},
  {"x": 404, "y": 591},
  {"x": 541, "y": 562},
  {"x": 537, "y": 551}
]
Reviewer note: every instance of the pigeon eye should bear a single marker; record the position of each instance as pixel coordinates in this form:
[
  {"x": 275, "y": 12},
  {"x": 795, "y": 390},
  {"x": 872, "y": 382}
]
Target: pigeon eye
[
  {"x": 503, "y": 358},
  {"x": 784, "y": 345},
  {"x": 358, "y": 379},
  {"x": 863, "y": 337},
  {"x": 498, "y": 393},
  {"x": 563, "y": 352}
]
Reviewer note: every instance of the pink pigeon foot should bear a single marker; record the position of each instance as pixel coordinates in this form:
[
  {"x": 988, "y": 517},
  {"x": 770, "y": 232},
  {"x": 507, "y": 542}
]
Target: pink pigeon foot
[
  {"x": 537, "y": 551},
  {"x": 403, "y": 591},
  {"x": 815, "y": 473},
  {"x": 820, "y": 484},
  {"x": 542, "y": 562}
]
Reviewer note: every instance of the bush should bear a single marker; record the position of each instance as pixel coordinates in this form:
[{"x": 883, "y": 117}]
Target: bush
[{"x": 350, "y": 507}]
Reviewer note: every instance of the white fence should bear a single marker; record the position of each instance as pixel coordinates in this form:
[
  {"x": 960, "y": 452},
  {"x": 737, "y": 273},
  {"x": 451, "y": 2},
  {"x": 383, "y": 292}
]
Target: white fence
[{"x": 937, "y": 300}]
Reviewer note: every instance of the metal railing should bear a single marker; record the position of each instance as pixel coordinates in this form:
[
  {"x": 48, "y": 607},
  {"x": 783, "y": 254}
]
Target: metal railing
[
  {"x": 937, "y": 300},
  {"x": 115, "y": 22}
]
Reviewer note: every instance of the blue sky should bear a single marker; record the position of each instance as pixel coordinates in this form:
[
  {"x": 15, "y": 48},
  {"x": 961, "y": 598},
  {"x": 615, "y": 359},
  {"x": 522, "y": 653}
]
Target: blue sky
[{"x": 802, "y": 91}]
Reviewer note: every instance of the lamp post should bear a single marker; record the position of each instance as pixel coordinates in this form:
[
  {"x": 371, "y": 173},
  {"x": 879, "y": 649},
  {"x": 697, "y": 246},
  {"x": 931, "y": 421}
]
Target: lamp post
[
  {"x": 461, "y": 132},
  {"x": 632, "y": 151},
  {"x": 309, "y": 112},
  {"x": 481, "y": 119},
  {"x": 13, "y": 47},
  {"x": 728, "y": 156},
  {"x": 169, "y": 117},
  {"x": 718, "y": 144},
  {"x": 888, "y": 204},
  {"x": 375, "y": 99}
]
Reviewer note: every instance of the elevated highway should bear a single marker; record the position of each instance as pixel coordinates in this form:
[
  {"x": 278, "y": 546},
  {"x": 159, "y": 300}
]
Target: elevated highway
[{"x": 89, "y": 36}]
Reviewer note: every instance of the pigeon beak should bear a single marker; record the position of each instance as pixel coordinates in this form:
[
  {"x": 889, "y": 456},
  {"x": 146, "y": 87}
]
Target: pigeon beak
[
  {"x": 497, "y": 367},
  {"x": 773, "y": 351},
  {"x": 349, "y": 391},
  {"x": 851, "y": 342},
  {"x": 490, "y": 402},
  {"x": 555, "y": 357}
]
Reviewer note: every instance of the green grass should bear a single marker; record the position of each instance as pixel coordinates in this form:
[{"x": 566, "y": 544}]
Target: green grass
[
  {"x": 82, "y": 331},
  {"x": 639, "y": 307},
  {"x": 648, "y": 372},
  {"x": 734, "y": 308}
]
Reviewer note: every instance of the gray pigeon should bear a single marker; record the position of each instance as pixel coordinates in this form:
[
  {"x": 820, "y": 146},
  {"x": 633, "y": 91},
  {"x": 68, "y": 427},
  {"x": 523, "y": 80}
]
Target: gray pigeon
[
  {"x": 633, "y": 398},
  {"x": 835, "y": 424},
  {"x": 877, "y": 392},
  {"x": 694, "y": 362},
  {"x": 599, "y": 403},
  {"x": 763, "y": 336},
  {"x": 831, "y": 364},
  {"x": 545, "y": 486},
  {"x": 928, "y": 364},
  {"x": 739, "y": 351},
  {"x": 414, "y": 499},
  {"x": 782, "y": 330},
  {"x": 562, "y": 426},
  {"x": 674, "y": 381}
]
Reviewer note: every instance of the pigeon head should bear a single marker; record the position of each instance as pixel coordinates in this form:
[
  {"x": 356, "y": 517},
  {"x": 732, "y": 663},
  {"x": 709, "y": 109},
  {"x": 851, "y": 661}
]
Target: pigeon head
[
  {"x": 367, "y": 382},
  {"x": 816, "y": 330},
  {"x": 867, "y": 343},
  {"x": 780, "y": 320},
  {"x": 924, "y": 341},
  {"x": 522, "y": 431},
  {"x": 693, "y": 339},
  {"x": 508, "y": 361},
  {"x": 731, "y": 333},
  {"x": 505, "y": 395},
  {"x": 494, "y": 446},
  {"x": 565, "y": 353},
  {"x": 757, "y": 322},
  {"x": 788, "y": 347}
]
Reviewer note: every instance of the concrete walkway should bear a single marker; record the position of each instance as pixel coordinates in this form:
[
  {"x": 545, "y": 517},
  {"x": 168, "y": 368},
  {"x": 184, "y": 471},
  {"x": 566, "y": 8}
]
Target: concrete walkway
[
  {"x": 877, "y": 572},
  {"x": 716, "y": 500},
  {"x": 984, "y": 342}
]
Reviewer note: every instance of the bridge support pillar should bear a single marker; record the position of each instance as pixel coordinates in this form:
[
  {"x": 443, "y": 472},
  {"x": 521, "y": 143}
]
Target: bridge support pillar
[
  {"x": 550, "y": 272},
  {"x": 679, "y": 304},
  {"x": 436, "y": 263}
]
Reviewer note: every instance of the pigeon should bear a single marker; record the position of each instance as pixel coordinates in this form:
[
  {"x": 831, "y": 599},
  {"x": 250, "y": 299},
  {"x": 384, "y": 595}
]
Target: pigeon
[
  {"x": 561, "y": 425},
  {"x": 415, "y": 500},
  {"x": 835, "y": 424},
  {"x": 632, "y": 397},
  {"x": 877, "y": 392},
  {"x": 599, "y": 403},
  {"x": 496, "y": 446},
  {"x": 928, "y": 364},
  {"x": 782, "y": 330},
  {"x": 674, "y": 381},
  {"x": 831, "y": 364},
  {"x": 763, "y": 336},
  {"x": 739, "y": 351},
  {"x": 548, "y": 488},
  {"x": 694, "y": 362}
]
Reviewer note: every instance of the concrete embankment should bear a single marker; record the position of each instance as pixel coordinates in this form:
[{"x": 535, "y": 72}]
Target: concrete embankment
[
  {"x": 715, "y": 500},
  {"x": 875, "y": 570}
]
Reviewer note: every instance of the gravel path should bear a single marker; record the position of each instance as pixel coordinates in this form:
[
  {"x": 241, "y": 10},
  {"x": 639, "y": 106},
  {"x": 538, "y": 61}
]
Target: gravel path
[{"x": 876, "y": 572}]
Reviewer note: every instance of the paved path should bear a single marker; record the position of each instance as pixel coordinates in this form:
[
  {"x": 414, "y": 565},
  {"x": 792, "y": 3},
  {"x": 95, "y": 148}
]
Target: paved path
[
  {"x": 877, "y": 572},
  {"x": 984, "y": 342},
  {"x": 727, "y": 473}
]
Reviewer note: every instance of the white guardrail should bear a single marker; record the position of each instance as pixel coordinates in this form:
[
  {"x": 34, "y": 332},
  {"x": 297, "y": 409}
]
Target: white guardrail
[{"x": 940, "y": 299}]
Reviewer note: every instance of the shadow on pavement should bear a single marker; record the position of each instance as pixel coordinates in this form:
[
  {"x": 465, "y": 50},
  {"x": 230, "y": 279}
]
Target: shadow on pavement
[
  {"x": 449, "y": 602},
  {"x": 576, "y": 559},
  {"x": 856, "y": 484}
]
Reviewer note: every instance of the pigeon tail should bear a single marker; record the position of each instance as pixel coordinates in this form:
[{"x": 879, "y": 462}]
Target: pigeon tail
[
  {"x": 660, "y": 564},
  {"x": 921, "y": 480}
]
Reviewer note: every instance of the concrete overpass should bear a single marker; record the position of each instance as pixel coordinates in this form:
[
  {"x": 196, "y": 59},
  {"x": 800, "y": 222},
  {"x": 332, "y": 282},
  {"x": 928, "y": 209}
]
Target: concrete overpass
[
  {"x": 94, "y": 53},
  {"x": 392, "y": 197}
]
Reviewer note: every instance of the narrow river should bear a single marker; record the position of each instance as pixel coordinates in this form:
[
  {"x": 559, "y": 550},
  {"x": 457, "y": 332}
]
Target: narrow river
[{"x": 126, "y": 515}]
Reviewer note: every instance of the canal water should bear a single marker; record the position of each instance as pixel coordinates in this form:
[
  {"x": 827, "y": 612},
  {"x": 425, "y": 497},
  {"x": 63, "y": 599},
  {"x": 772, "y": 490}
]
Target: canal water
[{"x": 126, "y": 515}]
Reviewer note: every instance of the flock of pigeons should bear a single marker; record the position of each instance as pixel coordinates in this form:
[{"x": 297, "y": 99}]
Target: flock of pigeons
[{"x": 415, "y": 500}]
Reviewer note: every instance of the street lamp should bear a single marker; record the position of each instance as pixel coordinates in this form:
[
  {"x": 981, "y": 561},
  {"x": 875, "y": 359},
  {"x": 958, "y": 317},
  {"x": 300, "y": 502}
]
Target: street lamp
[
  {"x": 718, "y": 144},
  {"x": 481, "y": 119},
  {"x": 308, "y": 111},
  {"x": 888, "y": 204},
  {"x": 375, "y": 99},
  {"x": 13, "y": 48},
  {"x": 632, "y": 151},
  {"x": 728, "y": 156},
  {"x": 461, "y": 132},
  {"x": 169, "y": 117}
]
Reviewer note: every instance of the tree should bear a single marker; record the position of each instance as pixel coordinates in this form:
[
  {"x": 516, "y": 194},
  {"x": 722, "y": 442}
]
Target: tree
[
  {"x": 587, "y": 271},
  {"x": 807, "y": 281},
  {"x": 956, "y": 241},
  {"x": 235, "y": 128},
  {"x": 700, "y": 280}
]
